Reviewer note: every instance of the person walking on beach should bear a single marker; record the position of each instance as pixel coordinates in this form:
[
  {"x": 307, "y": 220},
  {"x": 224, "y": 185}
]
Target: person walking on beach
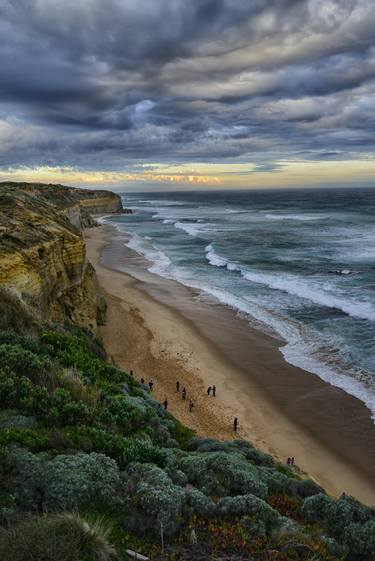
[
  {"x": 288, "y": 462},
  {"x": 235, "y": 424},
  {"x": 142, "y": 380},
  {"x": 209, "y": 390},
  {"x": 191, "y": 405},
  {"x": 214, "y": 391},
  {"x": 183, "y": 393},
  {"x": 292, "y": 461},
  {"x": 177, "y": 386},
  {"x": 151, "y": 385},
  {"x": 131, "y": 372},
  {"x": 165, "y": 403}
]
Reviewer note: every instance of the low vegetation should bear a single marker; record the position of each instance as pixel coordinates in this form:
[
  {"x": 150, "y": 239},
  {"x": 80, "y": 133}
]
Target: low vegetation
[{"x": 91, "y": 464}]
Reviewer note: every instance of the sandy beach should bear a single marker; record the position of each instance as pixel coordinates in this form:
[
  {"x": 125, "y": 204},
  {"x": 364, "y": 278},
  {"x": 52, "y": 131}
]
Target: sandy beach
[{"x": 166, "y": 332}]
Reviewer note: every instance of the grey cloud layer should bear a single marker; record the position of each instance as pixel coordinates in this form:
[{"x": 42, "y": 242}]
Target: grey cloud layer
[{"x": 109, "y": 84}]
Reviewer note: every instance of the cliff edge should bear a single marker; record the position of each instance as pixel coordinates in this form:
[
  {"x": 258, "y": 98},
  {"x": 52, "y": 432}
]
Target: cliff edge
[{"x": 42, "y": 251}]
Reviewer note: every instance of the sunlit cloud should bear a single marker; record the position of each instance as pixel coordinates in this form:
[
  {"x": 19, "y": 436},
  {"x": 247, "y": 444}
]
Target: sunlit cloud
[
  {"x": 98, "y": 178},
  {"x": 227, "y": 94}
]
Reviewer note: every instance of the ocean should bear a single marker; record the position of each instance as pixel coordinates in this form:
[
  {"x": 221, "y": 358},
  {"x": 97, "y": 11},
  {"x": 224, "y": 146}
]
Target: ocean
[{"x": 299, "y": 264}]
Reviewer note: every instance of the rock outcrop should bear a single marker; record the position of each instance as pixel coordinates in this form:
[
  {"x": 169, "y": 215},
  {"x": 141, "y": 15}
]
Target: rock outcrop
[{"x": 42, "y": 251}]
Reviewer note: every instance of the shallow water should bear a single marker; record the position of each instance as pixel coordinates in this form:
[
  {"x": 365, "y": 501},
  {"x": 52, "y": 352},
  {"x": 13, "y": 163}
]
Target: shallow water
[{"x": 300, "y": 263}]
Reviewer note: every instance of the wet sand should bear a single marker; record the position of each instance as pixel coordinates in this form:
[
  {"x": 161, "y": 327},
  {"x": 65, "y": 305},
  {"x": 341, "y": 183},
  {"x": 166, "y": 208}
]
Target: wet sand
[{"x": 167, "y": 332}]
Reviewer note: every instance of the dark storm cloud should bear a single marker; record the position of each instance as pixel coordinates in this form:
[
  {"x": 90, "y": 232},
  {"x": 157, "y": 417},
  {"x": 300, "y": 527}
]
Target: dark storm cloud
[{"x": 108, "y": 84}]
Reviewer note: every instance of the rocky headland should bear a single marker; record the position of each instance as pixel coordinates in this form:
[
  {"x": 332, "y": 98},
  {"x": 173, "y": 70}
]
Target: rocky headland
[{"x": 43, "y": 255}]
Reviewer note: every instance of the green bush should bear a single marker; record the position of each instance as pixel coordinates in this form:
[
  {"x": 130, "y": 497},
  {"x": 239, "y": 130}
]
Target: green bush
[
  {"x": 32, "y": 439},
  {"x": 336, "y": 516},
  {"x": 21, "y": 361},
  {"x": 304, "y": 488},
  {"x": 66, "y": 537},
  {"x": 240, "y": 446},
  {"x": 276, "y": 482},
  {"x": 315, "y": 509},
  {"x": 63, "y": 482},
  {"x": 11, "y": 420},
  {"x": 220, "y": 474},
  {"x": 249, "y": 505},
  {"x": 57, "y": 408},
  {"x": 153, "y": 500},
  {"x": 360, "y": 539}
]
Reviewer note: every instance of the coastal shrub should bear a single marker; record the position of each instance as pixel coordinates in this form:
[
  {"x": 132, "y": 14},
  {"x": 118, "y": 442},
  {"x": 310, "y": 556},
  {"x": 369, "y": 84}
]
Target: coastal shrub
[
  {"x": 180, "y": 433},
  {"x": 35, "y": 400},
  {"x": 360, "y": 539},
  {"x": 21, "y": 361},
  {"x": 177, "y": 476},
  {"x": 142, "y": 450},
  {"x": 199, "y": 444},
  {"x": 315, "y": 509},
  {"x": 241, "y": 446},
  {"x": 32, "y": 439},
  {"x": 71, "y": 380},
  {"x": 75, "y": 351},
  {"x": 125, "y": 450},
  {"x": 26, "y": 473},
  {"x": 249, "y": 505},
  {"x": 154, "y": 500},
  {"x": 219, "y": 474},
  {"x": 333, "y": 548},
  {"x": 26, "y": 342},
  {"x": 197, "y": 504},
  {"x": 66, "y": 537},
  {"x": 304, "y": 488},
  {"x": 63, "y": 482},
  {"x": 127, "y": 412},
  {"x": 288, "y": 505},
  {"x": 276, "y": 482},
  {"x": 338, "y": 515},
  {"x": 65, "y": 410},
  {"x": 11, "y": 420},
  {"x": 342, "y": 513},
  {"x": 252, "y": 454},
  {"x": 158, "y": 430}
]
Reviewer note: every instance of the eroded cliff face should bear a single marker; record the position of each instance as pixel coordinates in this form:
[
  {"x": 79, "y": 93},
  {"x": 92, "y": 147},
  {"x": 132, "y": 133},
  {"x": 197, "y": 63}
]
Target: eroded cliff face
[{"x": 42, "y": 251}]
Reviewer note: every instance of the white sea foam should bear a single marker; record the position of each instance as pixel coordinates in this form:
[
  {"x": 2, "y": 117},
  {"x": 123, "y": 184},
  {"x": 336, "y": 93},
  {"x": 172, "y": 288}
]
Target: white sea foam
[
  {"x": 299, "y": 350},
  {"x": 215, "y": 259},
  {"x": 308, "y": 289},
  {"x": 160, "y": 261},
  {"x": 190, "y": 228},
  {"x": 194, "y": 229},
  {"x": 168, "y": 221},
  {"x": 319, "y": 293},
  {"x": 299, "y": 353},
  {"x": 300, "y": 217}
]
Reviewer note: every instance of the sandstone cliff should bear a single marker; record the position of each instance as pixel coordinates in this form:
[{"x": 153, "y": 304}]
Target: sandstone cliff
[{"x": 42, "y": 251}]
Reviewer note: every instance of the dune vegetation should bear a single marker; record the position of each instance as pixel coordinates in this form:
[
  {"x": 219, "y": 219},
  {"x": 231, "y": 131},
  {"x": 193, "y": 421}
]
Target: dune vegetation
[{"x": 92, "y": 465}]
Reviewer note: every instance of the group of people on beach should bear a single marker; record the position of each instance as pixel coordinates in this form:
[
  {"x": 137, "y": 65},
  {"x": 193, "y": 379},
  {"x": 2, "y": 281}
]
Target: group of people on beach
[
  {"x": 211, "y": 390},
  {"x": 150, "y": 383},
  {"x": 290, "y": 461}
]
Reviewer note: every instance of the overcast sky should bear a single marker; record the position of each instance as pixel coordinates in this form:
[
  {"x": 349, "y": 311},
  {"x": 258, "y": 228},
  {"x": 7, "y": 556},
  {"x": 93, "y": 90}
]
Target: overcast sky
[{"x": 136, "y": 93}]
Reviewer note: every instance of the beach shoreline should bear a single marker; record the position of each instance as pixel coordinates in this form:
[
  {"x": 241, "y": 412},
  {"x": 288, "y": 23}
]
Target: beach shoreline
[{"x": 166, "y": 332}]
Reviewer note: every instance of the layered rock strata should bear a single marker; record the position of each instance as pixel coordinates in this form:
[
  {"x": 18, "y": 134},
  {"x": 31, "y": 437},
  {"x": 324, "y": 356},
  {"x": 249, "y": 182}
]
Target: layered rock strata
[{"x": 42, "y": 250}]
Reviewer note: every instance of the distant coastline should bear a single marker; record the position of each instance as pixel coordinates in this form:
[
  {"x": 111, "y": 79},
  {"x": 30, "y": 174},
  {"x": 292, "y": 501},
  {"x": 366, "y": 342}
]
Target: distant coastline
[{"x": 158, "y": 328}]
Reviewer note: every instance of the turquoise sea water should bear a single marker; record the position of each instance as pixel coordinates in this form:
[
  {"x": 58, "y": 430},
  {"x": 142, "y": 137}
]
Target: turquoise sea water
[{"x": 300, "y": 263}]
